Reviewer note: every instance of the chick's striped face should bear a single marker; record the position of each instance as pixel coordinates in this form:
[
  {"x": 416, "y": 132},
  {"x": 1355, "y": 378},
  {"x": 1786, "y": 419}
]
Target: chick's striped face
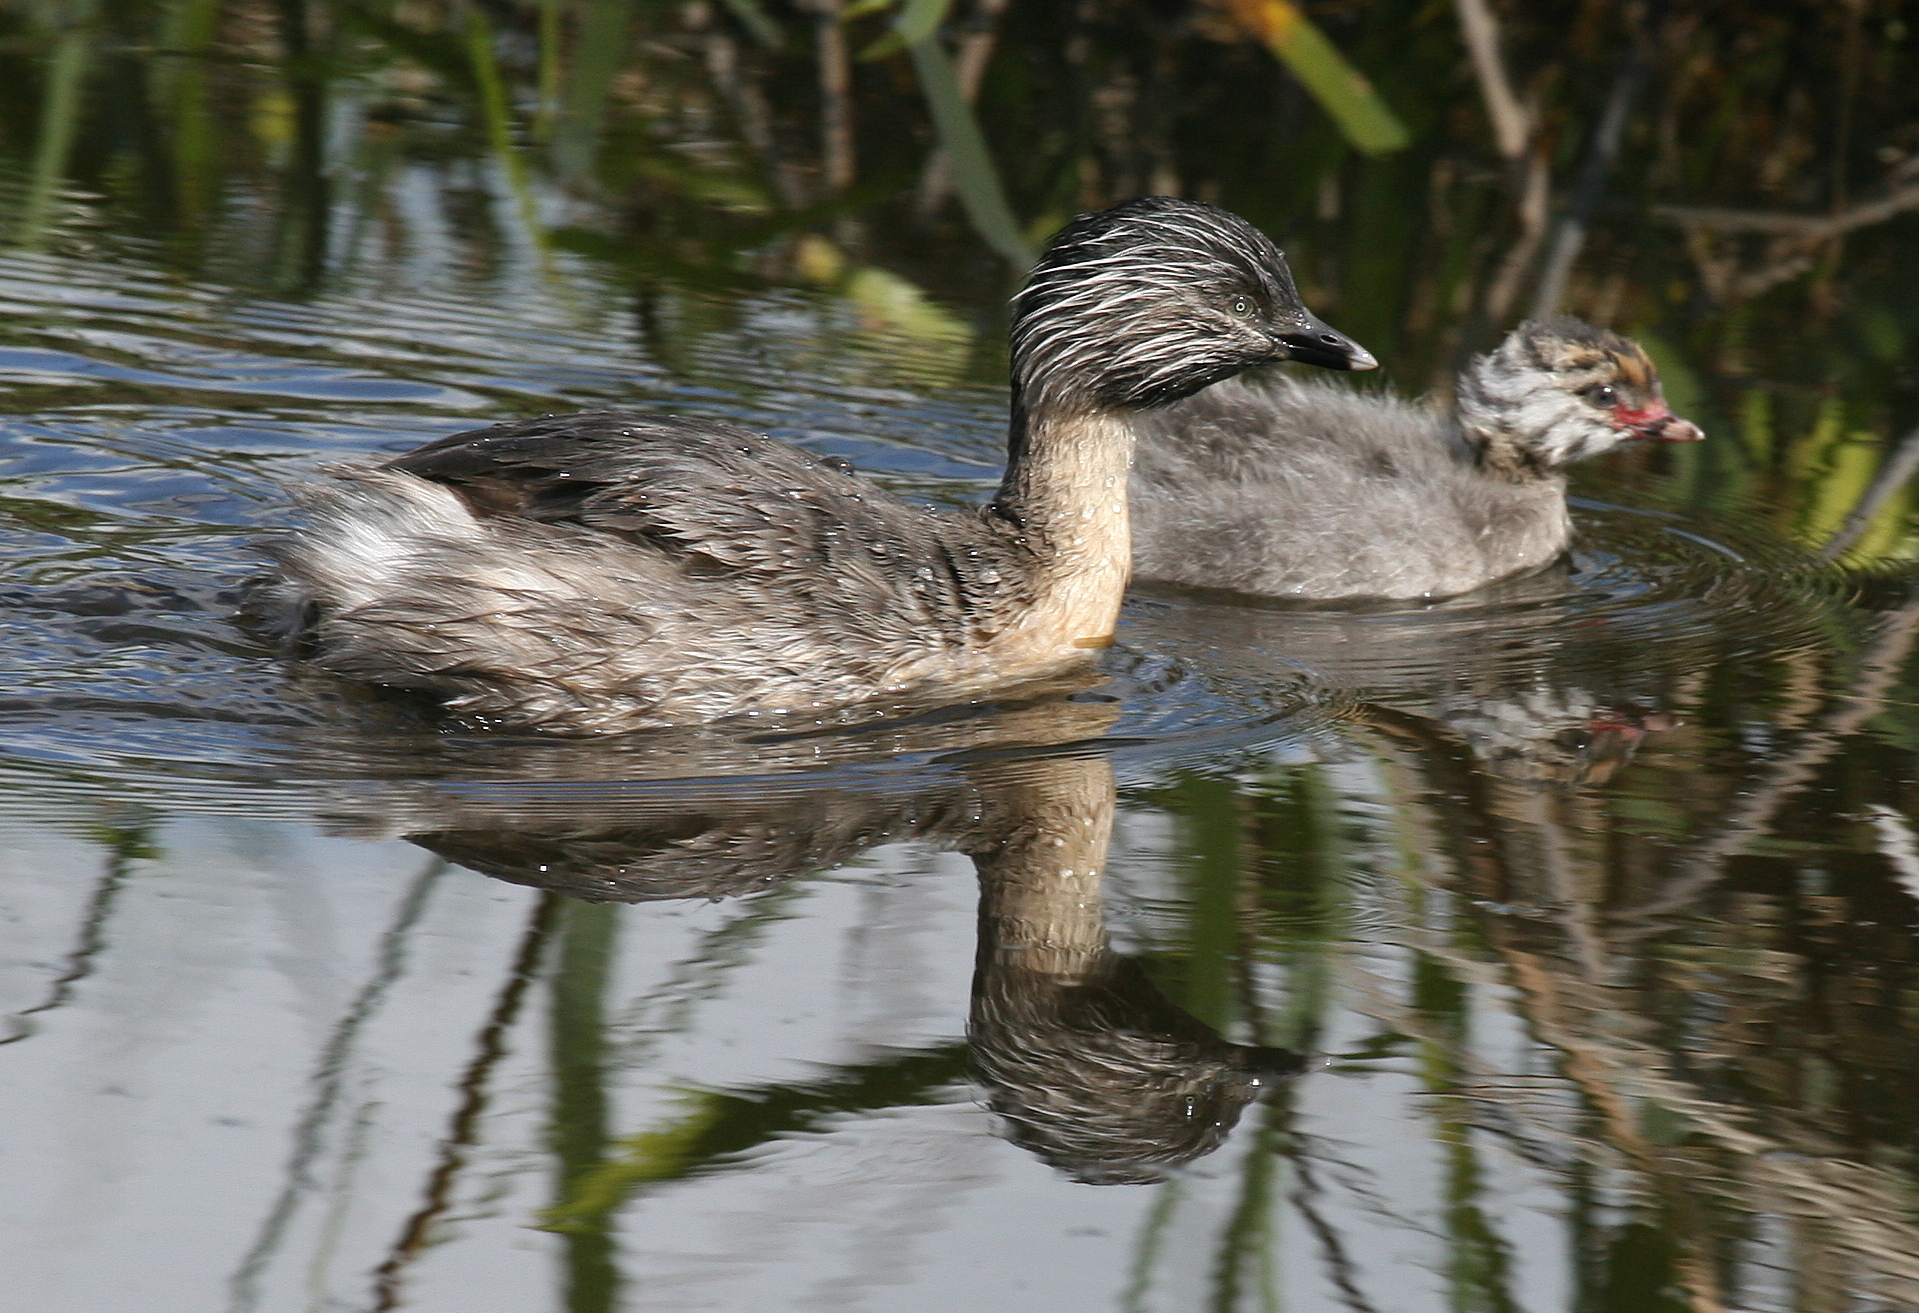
[
  {"x": 1151, "y": 301},
  {"x": 1615, "y": 377},
  {"x": 1564, "y": 391}
]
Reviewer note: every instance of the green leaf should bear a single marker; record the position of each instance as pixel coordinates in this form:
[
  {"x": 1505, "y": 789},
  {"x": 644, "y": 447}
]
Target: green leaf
[
  {"x": 920, "y": 19},
  {"x": 1341, "y": 90}
]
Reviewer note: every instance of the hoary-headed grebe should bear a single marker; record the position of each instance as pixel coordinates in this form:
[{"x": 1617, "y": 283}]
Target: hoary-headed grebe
[{"x": 610, "y": 571}]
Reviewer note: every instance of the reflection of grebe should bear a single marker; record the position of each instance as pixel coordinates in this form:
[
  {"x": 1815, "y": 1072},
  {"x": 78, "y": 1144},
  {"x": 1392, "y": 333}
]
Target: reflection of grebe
[
  {"x": 583, "y": 818},
  {"x": 613, "y": 571},
  {"x": 1303, "y": 490},
  {"x": 1092, "y": 1067}
]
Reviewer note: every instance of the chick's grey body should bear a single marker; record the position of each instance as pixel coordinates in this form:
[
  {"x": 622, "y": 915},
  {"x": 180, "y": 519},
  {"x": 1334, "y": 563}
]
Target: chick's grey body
[
  {"x": 1290, "y": 488},
  {"x": 1371, "y": 497},
  {"x": 610, "y": 571}
]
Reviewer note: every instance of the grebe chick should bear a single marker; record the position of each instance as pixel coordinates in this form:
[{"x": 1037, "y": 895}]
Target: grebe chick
[
  {"x": 611, "y": 571},
  {"x": 1295, "y": 489}
]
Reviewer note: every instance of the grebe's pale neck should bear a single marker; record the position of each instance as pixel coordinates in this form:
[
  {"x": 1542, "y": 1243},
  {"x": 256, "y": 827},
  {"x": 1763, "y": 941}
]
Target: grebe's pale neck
[{"x": 1128, "y": 309}]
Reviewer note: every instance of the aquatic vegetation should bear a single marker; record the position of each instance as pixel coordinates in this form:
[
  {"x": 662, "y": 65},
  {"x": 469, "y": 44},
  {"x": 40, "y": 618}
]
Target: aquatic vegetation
[
  {"x": 1735, "y": 182},
  {"x": 1590, "y": 900}
]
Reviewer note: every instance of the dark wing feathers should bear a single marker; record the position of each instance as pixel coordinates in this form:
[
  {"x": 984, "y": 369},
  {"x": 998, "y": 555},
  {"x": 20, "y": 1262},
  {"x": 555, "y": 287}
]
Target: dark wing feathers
[{"x": 687, "y": 486}]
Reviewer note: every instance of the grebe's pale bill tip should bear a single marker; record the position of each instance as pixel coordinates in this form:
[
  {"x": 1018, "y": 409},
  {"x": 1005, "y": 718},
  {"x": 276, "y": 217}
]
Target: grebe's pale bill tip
[{"x": 1314, "y": 343}]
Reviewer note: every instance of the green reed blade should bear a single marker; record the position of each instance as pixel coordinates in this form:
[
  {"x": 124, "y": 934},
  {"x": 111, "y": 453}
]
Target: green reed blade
[
  {"x": 1341, "y": 90},
  {"x": 974, "y": 175},
  {"x": 756, "y": 20},
  {"x": 549, "y": 71}
]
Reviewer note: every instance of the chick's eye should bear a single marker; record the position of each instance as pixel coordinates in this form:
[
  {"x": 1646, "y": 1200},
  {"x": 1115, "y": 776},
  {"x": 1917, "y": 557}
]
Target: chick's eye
[
  {"x": 1605, "y": 394},
  {"x": 1241, "y": 306}
]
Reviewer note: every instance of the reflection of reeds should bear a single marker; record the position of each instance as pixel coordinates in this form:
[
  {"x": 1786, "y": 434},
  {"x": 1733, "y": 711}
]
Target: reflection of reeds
[
  {"x": 463, "y": 1131},
  {"x": 582, "y": 973},
  {"x": 182, "y": 96},
  {"x": 332, "y": 1090},
  {"x": 124, "y": 845},
  {"x": 1699, "y": 1164},
  {"x": 1700, "y": 1093}
]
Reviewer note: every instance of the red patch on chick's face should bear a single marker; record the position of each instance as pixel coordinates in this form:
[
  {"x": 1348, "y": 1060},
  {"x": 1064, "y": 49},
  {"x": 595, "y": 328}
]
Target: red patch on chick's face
[{"x": 1655, "y": 422}]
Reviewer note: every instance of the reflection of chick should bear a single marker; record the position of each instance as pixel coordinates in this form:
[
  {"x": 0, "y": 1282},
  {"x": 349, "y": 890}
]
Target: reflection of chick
[
  {"x": 1549, "y": 735},
  {"x": 1093, "y": 1069}
]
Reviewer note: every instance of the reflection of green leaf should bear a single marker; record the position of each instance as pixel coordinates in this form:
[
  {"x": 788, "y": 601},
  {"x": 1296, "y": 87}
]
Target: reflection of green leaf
[
  {"x": 1832, "y": 466},
  {"x": 973, "y": 173},
  {"x": 656, "y": 1155},
  {"x": 725, "y": 189},
  {"x": 653, "y": 261},
  {"x": 181, "y": 98},
  {"x": 577, "y": 1042},
  {"x": 1387, "y": 1044},
  {"x": 724, "y": 1124},
  {"x": 893, "y": 303},
  {"x": 1212, "y": 809},
  {"x": 1341, "y": 90},
  {"x": 1841, "y": 481},
  {"x": 925, "y": 342},
  {"x": 437, "y": 52}
]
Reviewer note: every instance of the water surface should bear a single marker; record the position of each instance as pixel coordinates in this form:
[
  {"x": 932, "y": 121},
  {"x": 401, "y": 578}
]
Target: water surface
[{"x": 1549, "y": 948}]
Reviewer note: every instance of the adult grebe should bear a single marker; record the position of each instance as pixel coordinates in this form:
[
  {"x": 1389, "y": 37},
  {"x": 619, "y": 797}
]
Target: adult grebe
[
  {"x": 609, "y": 571},
  {"x": 1297, "y": 489}
]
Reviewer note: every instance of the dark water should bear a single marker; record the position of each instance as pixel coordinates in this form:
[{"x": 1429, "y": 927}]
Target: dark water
[{"x": 1548, "y": 949}]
